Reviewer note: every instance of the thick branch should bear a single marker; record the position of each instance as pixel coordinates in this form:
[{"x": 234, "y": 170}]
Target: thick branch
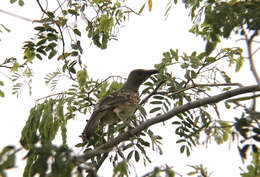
[
  {"x": 195, "y": 104},
  {"x": 198, "y": 85}
]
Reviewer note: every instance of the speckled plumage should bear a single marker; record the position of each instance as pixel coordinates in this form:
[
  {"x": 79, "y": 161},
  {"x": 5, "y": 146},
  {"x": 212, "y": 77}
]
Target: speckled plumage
[{"x": 119, "y": 105}]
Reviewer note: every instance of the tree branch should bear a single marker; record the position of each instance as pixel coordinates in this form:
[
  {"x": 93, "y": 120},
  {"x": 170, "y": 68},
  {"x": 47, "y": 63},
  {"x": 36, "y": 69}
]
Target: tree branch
[
  {"x": 249, "y": 41},
  {"x": 16, "y": 16},
  {"x": 200, "y": 85},
  {"x": 108, "y": 146}
]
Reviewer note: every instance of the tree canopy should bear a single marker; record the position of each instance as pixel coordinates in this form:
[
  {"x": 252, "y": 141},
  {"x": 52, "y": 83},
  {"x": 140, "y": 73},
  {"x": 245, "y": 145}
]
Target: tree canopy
[{"x": 193, "y": 100}]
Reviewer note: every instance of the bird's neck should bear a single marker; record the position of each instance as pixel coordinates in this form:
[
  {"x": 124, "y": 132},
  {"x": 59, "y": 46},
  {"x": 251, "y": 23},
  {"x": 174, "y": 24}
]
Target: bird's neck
[{"x": 130, "y": 87}]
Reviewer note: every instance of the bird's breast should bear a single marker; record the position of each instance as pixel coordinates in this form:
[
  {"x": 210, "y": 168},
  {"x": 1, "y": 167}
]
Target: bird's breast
[{"x": 123, "y": 110}]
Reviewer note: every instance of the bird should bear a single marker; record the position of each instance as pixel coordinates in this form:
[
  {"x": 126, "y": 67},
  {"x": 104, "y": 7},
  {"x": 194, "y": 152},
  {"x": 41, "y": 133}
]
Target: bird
[{"x": 119, "y": 105}]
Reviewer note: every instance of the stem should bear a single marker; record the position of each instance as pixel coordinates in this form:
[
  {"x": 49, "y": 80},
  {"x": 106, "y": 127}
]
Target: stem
[{"x": 249, "y": 41}]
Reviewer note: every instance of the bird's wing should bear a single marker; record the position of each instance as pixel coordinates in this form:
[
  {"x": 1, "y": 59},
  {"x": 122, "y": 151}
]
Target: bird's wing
[{"x": 102, "y": 109}]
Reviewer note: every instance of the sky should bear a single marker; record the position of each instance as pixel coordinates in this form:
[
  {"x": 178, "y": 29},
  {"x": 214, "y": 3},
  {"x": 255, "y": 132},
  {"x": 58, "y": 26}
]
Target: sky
[{"x": 141, "y": 43}]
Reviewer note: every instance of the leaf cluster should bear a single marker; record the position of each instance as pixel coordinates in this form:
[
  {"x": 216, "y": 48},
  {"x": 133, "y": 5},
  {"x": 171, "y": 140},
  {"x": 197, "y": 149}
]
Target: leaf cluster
[
  {"x": 195, "y": 70},
  {"x": 254, "y": 168},
  {"x": 249, "y": 128},
  {"x": 7, "y": 159},
  {"x": 222, "y": 18},
  {"x": 50, "y": 160}
]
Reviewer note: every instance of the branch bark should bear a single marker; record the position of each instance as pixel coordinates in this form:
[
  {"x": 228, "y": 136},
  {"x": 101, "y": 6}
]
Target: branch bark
[
  {"x": 195, "y": 104},
  {"x": 249, "y": 41}
]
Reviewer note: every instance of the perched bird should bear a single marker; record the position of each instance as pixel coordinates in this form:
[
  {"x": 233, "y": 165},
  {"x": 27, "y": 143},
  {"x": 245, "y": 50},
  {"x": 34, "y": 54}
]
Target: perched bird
[{"x": 119, "y": 105}]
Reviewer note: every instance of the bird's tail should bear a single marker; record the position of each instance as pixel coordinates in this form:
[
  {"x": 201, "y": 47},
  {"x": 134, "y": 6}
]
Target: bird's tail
[{"x": 90, "y": 128}]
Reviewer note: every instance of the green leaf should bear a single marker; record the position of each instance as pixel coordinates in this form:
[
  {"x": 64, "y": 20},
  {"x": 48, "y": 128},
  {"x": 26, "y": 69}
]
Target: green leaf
[
  {"x": 7, "y": 159},
  {"x": 239, "y": 63},
  {"x": 155, "y": 109},
  {"x": 41, "y": 42},
  {"x": 50, "y": 14},
  {"x": 130, "y": 155},
  {"x": 256, "y": 130},
  {"x": 64, "y": 55},
  {"x": 2, "y": 94},
  {"x": 59, "y": 110},
  {"x": 64, "y": 132},
  {"x": 6, "y": 29},
  {"x": 72, "y": 70},
  {"x": 39, "y": 28},
  {"x": 120, "y": 169},
  {"x": 257, "y": 138},
  {"x": 141, "y": 9},
  {"x": 180, "y": 141},
  {"x": 52, "y": 54},
  {"x": 73, "y": 12},
  {"x": 52, "y": 37},
  {"x": 187, "y": 151},
  {"x": 21, "y": 2},
  {"x": 77, "y": 32},
  {"x": 210, "y": 46},
  {"x": 226, "y": 77},
  {"x": 176, "y": 123},
  {"x": 29, "y": 133},
  {"x": 155, "y": 102},
  {"x": 82, "y": 77},
  {"x": 145, "y": 143},
  {"x": 185, "y": 65},
  {"x": 49, "y": 124},
  {"x": 182, "y": 148},
  {"x": 12, "y": 1},
  {"x": 137, "y": 156},
  {"x": 158, "y": 97}
]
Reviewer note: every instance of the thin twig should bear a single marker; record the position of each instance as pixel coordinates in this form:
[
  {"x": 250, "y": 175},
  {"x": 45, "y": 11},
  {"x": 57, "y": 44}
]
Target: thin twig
[
  {"x": 6, "y": 75},
  {"x": 152, "y": 93},
  {"x": 88, "y": 93},
  {"x": 131, "y": 10},
  {"x": 255, "y": 51},
  {"x": 55, "y": 94},
  {"x": 16, "y": 16},
  {"x": 59, "y": 5}
]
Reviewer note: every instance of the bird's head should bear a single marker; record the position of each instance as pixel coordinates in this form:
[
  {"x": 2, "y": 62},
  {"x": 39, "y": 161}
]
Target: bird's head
[{"x": 137, "y": 77}]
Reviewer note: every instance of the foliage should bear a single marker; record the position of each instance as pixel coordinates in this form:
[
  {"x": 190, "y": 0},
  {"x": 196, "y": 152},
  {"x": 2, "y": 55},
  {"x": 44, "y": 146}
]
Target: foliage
[
  {"x": 254, "y": 168},
  {"x": 7, "y": 159},
  {"x": 200, "y": 76},
  {"x": 199, "y": 170},
  {"x": 48, "y": 157},
  {"x": 3, "y": 28}
]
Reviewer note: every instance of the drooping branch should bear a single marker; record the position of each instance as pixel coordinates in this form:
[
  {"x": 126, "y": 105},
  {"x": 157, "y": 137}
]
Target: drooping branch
[{"x": 104, "y": 148}]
